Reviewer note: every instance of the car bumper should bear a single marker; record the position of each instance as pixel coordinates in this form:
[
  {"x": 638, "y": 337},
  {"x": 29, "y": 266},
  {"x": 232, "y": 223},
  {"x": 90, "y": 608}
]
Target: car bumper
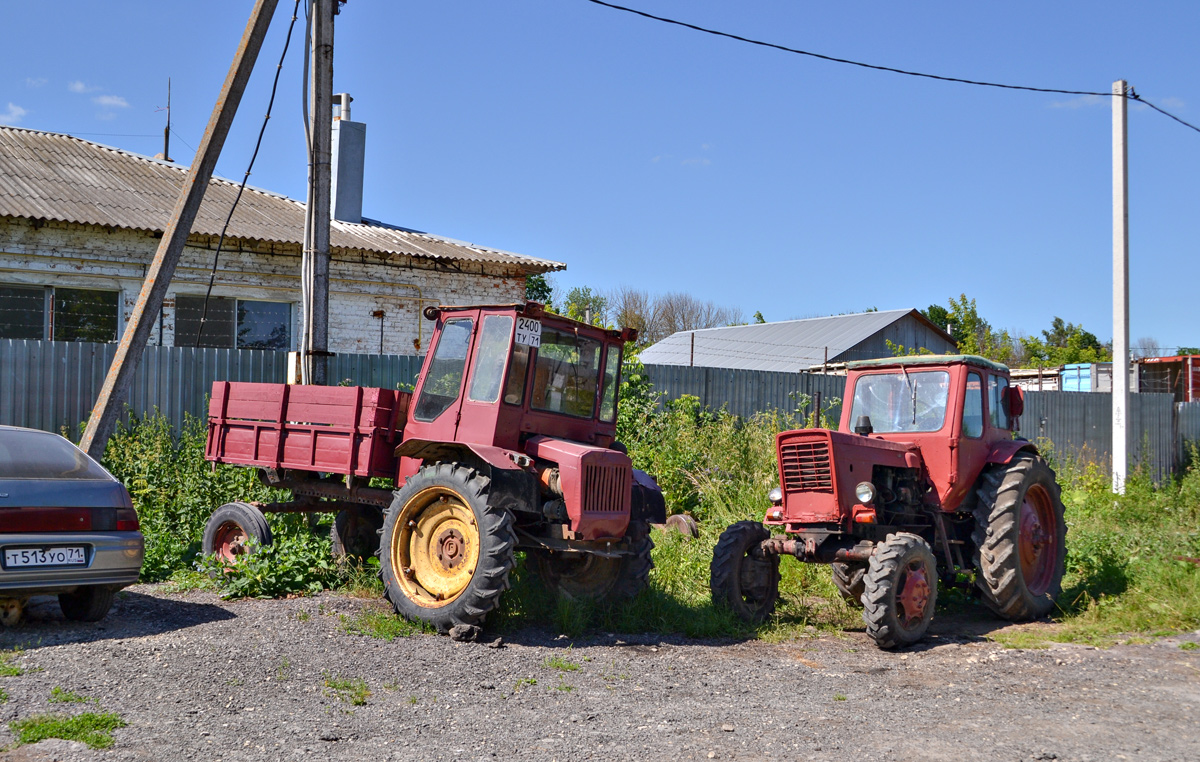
[{"x": 114, "y": 559}]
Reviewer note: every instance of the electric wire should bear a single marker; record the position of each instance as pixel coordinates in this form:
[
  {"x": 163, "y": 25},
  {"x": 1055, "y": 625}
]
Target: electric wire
[
  {"x": 233, "y": 207},
  {"x": 1130, "y": 95}
]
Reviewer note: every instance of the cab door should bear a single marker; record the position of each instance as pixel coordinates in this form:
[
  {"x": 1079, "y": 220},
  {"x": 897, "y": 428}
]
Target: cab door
[{"x": 437, "y": 400}]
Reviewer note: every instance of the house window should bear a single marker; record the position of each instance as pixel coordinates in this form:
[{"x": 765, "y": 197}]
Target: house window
[
  {"x": 230, "y": 323},
  {"x": 61, "y": 314}
]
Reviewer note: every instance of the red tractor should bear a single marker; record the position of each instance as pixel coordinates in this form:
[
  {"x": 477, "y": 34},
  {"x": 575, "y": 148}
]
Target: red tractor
[
  {"x": 507, "y": 443},
  {"x": 923, "y": 481}
]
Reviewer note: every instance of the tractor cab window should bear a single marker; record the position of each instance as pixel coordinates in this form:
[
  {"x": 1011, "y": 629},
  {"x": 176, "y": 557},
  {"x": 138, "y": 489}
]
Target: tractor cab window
[
  {"x": 566, "y": 375},
  {"x": 608, "y": 401},
  {"x": 996, "y": 412},
  {"x": 514, "y": 390},
  {"x": 973, "y": 406},
  {"x": 902, "y": 402},
  {"x": 444, "y": 379},
  {"x": 494, "y": 337}
]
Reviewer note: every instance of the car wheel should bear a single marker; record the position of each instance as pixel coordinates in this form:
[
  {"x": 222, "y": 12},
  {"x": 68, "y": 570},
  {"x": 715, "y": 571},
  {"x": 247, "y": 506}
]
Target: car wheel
[{"x": 87, "y": 604}]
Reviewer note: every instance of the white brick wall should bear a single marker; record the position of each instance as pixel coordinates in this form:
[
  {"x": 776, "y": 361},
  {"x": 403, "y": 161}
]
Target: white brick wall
[{"x": 89, "y": 256}]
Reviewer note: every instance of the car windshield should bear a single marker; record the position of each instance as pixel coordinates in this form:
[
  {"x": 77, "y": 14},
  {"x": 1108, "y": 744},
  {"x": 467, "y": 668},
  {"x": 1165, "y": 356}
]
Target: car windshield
[
  {"x": 910, "y": 401},
  {"x": 26, "y": 454}
]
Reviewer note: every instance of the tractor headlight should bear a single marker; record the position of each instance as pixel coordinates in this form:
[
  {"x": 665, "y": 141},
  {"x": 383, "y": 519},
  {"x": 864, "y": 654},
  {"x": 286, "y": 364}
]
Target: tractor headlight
[
  {"x": 865, "y": 492},
  {"x": 775, "y": 496}
]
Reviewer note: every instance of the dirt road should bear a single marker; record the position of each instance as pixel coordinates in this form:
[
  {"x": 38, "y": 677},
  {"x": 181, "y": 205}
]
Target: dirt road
[{"x": 198, "y": 678}]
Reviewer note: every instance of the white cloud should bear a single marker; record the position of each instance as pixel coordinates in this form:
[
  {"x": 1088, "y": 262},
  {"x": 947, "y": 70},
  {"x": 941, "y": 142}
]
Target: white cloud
[
  {"x": 78, "y": 87},
  {"x": 35, "y": 81},
  {"x": 695, "y": 162},
  {"x": 110, "y": 101},
  {"x": 705, "y": 146},
  {"x": 1083, "y": 101},
  {"x": 13, "y": 115}
]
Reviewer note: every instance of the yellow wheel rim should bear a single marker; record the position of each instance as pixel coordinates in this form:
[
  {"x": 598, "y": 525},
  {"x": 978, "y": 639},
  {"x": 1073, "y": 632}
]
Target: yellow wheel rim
[{"x": 435, "y": 547}]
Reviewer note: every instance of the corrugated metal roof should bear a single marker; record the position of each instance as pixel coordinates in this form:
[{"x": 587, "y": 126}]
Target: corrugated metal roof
[
  {"x": 50, "y": 176},
  {"x": 791, "y": 345}
]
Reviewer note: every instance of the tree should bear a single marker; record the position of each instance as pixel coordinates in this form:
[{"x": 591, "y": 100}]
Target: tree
[
  {"x": 585, "y": 305},
  {"x": 656, "y": 317},
  {"x": 1063, "y": 344},
  {"x": 1147, "y": 346},
  {"x": 938, "y": 315},
  {"x": 539, "y": 289},
  {"x": 1189, "y": 350},
  {"x": 758, "y": 318}
]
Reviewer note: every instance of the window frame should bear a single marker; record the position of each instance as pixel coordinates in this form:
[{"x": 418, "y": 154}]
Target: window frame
[
  {"x": 233, "y": 336},
  {"x": 50, "y": 319}
]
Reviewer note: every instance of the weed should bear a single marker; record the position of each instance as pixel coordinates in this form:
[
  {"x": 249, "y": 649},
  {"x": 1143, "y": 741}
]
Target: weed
[
  {"x": 7, "y": 668},
  {"x": 298, "y": 562},
  {"x": 412, "y": 700},
  {"x": 3, "y": 696},
  {"x": 523, "y": 682},
  {"x": 559, "y": 663},
  {"x": 60, "y": 696},
  {"x": 353, "y": 690},
  {"x": 562, "y": 684},
  {"x": 95, "y": 730},
  {"x": 284, "y": 670},
  {"x": 186, "y": 580},
  {"x": 839, "y": 697},
  {"x": 1191, "y": 645},
  {"x": 380, "y": 624},
  {"x": 391, "y": 686},
  {"x": 235, "y": 681},
  {"x": 303, "y": 616}
]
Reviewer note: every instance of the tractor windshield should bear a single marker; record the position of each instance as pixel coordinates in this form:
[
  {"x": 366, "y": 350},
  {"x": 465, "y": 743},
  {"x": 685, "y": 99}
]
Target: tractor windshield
[
  {"x": 567, "y": 373},
  {"x": 912, "y": 401}
]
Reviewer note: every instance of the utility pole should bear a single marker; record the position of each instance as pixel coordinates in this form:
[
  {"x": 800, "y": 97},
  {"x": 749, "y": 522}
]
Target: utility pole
[
  {"x": 158, "y": 277},
  {"x": 314, "y": 344},
  {"x": 1120, "y": 380}
]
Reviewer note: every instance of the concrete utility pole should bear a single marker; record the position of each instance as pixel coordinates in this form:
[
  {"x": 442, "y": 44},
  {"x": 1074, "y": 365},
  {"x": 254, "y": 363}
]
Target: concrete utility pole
[
  {"x": 1120, "y": 379},
  {"x": 315, "y": 341},
  {"x": 162, "y": 268}
]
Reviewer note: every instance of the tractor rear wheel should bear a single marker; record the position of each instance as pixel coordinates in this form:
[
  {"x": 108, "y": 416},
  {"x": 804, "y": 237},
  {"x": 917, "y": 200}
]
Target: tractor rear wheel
[
  {"x": 848, "y": 579},
  {"x": 230, "y": 527},
  {"x": 1020, "y": 538},
  {"x": 900, "y": 590},
  {"x": 355, "y": 532},
  {"x": 588, "y": 576},
  {"x": 741, "y": 576},
  {"x": 445, "y": 554}
]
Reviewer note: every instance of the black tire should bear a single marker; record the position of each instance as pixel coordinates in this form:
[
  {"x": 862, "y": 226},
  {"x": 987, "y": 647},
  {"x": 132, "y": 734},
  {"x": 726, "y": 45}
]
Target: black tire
[
  {"x": 87, "y": 604},
  {"x": 848, "y": 579},
  {"x": 900, "y": 590},
  {"x": 450, "y": 565},
  {"x": 745, "y": 582},
  {"x": 1019, "y": 561},
  {"x": 230, "y": 526},
  {"x": 355, "y": 532},
  {"x": 584, "y": 576}
]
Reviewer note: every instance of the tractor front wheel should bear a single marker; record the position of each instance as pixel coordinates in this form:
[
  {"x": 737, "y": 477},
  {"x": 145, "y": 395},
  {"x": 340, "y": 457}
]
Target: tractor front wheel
[
  {"x": 355, "y": 532},
  {"x": 848, "y": 579},
  {"x": 900, "y": 590},
  {"x": 1020, "y": 538},
  {"x": 588, "y": 576},
  {"x": 741, "y": 576},
  {"x": 445, "y": 554},
  {"x": 230, "y": 528}
]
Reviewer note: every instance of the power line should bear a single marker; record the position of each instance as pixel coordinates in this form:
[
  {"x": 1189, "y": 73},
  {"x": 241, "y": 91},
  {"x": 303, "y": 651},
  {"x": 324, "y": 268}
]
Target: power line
[
  {"x": 262, "y": 130},
  {"x": 979, "y": 83}
]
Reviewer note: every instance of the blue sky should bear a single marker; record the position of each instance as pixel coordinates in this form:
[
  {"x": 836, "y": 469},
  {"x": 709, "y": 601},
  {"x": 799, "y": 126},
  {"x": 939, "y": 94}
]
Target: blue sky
[{"x": 648, "y": 155}]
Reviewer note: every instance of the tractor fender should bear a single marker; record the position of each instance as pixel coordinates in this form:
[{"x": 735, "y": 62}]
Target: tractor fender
[
  {"x": 428, "y": 450},
  {"x": 1003, "y": 452}
]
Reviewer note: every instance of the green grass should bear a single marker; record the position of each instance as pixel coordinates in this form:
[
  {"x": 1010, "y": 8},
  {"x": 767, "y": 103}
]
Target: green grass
[
  {"x": 3, "y": 696},
  {"x": 7, "y": 668},
  {"x": 559, "y": 663},
  {"x": 352, "y": 690},
  {"x": 839, "y": 697},
  {"x": 95, "y": 730},
  {"x": 1191, "y": 645},
  {"x": 60, "y": 696},
  {"x": 385, "y": 625}
]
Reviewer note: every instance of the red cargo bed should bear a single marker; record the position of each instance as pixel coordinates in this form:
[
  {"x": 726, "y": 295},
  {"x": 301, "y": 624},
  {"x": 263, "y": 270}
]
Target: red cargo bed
[{"x": 331, "y": 429}]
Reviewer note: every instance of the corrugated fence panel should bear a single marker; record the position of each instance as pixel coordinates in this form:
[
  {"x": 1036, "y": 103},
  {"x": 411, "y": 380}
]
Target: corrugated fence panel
[
  {"x": 746, "y": 392},
  {"x": 1187, "y": 416}
]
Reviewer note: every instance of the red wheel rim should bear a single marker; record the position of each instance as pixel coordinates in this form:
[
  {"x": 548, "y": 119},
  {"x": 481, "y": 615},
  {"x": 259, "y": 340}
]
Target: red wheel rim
[
  {"x": 1038, "y": 540},
  {"x": 229, "y": 542},
  {"x": 914, "y": 595}
]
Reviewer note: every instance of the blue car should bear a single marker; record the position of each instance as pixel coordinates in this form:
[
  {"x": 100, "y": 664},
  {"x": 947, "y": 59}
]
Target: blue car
[{"x": 67, "y": 527}]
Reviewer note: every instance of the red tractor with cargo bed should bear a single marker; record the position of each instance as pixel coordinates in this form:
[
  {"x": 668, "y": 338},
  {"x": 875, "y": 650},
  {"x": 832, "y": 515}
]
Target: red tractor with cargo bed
[
  {"x": 507, "y": 443},
  {"x": 925, "y": 480}
]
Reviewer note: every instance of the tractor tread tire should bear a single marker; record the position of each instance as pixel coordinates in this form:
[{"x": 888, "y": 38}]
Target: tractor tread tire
[
  {"x": 609, "y": 580},
  {"x": 360, "y": 544},
  {"x": 996, "y": 537},
  {"x": 725, "y": 571},
  {"x": 848, "y": 579},
  {"x": 245, "y": 515},
  {"x": 497, "y": 542},
  {"x": 879, "y": 590}
]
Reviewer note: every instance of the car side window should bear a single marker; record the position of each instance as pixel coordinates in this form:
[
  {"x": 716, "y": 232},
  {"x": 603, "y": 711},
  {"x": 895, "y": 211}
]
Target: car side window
[{"x": 972, "y": 425}]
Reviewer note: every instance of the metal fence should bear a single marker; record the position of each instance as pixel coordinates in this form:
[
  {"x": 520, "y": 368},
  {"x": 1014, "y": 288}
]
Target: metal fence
[
  {"x": 746, "y": 392},
  {"x": 52, "y": 385}
]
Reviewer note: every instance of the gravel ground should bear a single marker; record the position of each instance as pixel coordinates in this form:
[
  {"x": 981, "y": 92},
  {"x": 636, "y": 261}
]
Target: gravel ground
[{"x": 199, "y": 678}]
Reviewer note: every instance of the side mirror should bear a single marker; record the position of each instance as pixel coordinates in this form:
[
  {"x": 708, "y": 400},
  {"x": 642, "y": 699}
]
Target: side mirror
[{"x": 1014, "y": 401}]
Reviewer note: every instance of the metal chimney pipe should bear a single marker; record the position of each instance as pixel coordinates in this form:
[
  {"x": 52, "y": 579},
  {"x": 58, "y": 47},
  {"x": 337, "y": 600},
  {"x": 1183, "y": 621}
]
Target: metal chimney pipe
[{"x": 343, "y": 100}]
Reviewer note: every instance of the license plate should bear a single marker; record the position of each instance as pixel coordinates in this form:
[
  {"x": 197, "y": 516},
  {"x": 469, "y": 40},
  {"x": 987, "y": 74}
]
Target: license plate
[{"x": 68, "y": 556}]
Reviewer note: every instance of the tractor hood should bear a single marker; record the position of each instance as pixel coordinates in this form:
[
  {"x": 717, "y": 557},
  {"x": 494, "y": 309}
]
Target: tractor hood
[{"x": 818, "y": 470}]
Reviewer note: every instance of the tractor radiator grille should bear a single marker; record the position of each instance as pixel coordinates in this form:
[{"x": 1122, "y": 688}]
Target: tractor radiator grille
[
  {"x": 606, "y": 488},
  {"x": 806, "y": 467}
]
